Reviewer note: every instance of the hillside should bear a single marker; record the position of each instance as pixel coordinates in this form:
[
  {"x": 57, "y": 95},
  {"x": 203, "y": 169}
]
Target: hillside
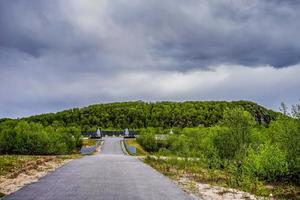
[{"x": 160, "y": 114}]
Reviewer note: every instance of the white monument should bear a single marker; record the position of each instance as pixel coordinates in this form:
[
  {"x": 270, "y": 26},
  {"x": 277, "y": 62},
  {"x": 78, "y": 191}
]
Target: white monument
[
  {"x": 98, "y": 133},
  {"x": 126, "y": 132}
]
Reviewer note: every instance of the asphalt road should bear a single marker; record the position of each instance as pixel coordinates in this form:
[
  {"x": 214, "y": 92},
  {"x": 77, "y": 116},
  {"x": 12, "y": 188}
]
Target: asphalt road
[{"x": 106, "y": 175}]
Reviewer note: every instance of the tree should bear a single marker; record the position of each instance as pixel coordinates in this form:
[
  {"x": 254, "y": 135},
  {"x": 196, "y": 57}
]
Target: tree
[
  {"x": 237, "y": 136},
  {"x": 283, "y": 108}
]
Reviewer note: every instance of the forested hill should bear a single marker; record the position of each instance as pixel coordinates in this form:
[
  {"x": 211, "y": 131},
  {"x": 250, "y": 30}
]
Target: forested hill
[{"x": 141, "y": 114}]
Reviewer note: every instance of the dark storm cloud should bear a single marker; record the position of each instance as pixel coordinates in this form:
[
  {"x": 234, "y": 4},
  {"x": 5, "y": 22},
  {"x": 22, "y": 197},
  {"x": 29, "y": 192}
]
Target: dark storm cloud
[
  {"x": 191, "y": 34},
  {"x": 201, "y": 33},
  {"x": 56, "y": 54}
]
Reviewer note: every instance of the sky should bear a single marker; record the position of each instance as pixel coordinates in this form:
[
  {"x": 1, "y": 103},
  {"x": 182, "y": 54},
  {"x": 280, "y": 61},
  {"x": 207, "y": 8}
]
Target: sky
[{"x": 58, "y": 54}]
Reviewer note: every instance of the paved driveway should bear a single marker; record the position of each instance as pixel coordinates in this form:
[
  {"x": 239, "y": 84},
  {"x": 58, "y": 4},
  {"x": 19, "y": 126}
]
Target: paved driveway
[{"x": 106, "y": 175}]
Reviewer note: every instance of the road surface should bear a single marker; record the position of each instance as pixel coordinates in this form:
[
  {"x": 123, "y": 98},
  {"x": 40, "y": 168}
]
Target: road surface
[{"x": 109, "y": 175}]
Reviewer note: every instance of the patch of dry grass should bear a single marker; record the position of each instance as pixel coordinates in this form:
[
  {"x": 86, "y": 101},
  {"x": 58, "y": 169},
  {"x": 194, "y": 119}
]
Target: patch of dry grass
[
  {"x": 18, "y": 170},
  {"x": 13, "y": 165},
  {"x": 89, "y": 142}
]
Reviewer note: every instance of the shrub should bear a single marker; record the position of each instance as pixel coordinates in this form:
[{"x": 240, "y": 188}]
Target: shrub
[
  {"x": 237, "y": 136},
  {"x": 179, "y": 145},
  {"x": 7, "y": 141},
  {"x": 285, "y": 132},
  {"x": 30, "y": 139},
  {"x": 33, "y": 138},
  {"x": 147, "y": 140},
  {"x": 268, "y": 162}
]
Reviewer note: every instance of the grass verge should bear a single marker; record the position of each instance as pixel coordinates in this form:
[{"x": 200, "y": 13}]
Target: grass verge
[
  {"x": 16, "y": 164},
  {"x": 139, "y": 149},
  {"x": 19, "y": 170}
]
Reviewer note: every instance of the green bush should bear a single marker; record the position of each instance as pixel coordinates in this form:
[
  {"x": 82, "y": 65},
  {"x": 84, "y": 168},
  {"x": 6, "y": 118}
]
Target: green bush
[
  {"x": 30, "y": 139},
  {"x": 7, "y": 141},
  {"x": 268, "y": 163},
  {"x": 236, "y": 135},
  {"x": 147, "y": 140},
  {"x": 285, "y": 132},
  {"x": 179, "y": 144}
]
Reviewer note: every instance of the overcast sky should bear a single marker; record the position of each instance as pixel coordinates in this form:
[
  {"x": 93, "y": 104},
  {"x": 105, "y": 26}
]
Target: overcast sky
[{"x": 58, "y": 54}]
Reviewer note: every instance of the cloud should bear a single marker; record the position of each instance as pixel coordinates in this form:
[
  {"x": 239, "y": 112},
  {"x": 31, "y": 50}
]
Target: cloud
[
  {"x": 266, "y": 85},
  {"x": 60, "y": 54}
]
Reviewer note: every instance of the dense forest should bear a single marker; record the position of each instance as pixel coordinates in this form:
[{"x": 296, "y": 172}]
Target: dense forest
[
  {"x": 59, "y": 133},
  {"x": 140, "y": 114}
]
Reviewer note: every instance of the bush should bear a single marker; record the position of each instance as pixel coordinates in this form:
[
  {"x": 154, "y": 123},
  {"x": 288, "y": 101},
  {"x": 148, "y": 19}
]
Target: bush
[
  {"x": 179, "y": 145},
  {"x": 237, "y": 136},
  {"x": 30, "y": 139},
  {"x": 268, "y": 162},
  {"x": 147, "y": 140},
  {"x": 285, "y": 132}
]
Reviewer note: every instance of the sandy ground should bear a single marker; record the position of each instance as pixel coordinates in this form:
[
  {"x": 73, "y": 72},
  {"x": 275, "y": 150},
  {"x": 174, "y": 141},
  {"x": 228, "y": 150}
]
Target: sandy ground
[
  {"x": 209, "y": 192},
  {"x": 30, "y": 173}
]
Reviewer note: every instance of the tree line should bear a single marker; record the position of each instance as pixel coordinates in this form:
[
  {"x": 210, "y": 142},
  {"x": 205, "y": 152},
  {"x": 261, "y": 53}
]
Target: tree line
[
  {"x": 135, "y": 115},
  {"x": 60, "y": 133}
]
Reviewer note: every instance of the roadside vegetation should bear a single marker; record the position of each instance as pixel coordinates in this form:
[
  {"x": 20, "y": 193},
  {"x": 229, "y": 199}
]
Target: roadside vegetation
[
  {"x": 237, "y": 152},
  {"x": 16, "y": 164},
  {"x": 28, "y": 138}
]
